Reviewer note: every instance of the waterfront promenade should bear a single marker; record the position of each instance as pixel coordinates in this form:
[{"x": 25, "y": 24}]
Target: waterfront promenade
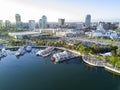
[
  {"x": 91, "y": 60},
  {"x": 101, "y": 63}
]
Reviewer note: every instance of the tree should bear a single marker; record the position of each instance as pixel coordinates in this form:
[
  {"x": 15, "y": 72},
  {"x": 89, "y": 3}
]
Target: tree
[
  {"x": 112, "y": 60},
  {"x": 118, "y": 63},
  {"x": 118, "y": 52},
  {"x": 95, "y": 48},
  {"x": 114, "y": 50}
]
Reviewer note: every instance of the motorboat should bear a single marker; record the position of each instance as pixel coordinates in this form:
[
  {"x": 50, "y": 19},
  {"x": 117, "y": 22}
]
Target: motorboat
[
  {"x": 21, "y": 51},
  {"x": 28, "y": 48},
  {"x": 39, "y": 52},
  {"x": 3, "y": 53}
]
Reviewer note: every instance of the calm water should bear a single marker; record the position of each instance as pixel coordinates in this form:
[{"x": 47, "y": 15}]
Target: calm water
[{"x": 30, "y": 72}]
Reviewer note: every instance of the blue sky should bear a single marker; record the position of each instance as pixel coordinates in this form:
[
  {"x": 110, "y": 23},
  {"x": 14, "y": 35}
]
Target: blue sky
[{"x": 71, "y": 10}]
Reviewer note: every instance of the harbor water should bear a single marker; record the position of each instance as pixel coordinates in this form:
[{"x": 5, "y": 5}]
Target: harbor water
[{"x": 31, "y": 72}]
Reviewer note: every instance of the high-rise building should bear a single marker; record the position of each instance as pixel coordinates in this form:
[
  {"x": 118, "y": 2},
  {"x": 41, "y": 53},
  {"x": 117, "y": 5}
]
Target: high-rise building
[
  {"x": 61, "y": 22},
  {"x": 18, "y": 21},
  {"x": 31, "y": 24},
  {"x": 43, "y": 22},
  {"x": 18, "y": 18},
  {"x": 40, "y": 23},
  {"x": 88, "y": 20}
]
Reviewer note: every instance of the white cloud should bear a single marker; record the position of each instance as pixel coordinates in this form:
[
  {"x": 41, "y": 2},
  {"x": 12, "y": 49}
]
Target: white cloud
[{"x": 53, "y": 9}]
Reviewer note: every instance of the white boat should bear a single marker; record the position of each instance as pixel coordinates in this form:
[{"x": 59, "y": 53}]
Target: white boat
[
  {"x": 28, "y": 48},
  {"x": 3, "y": 53},
  {"x": 45, "y": 52},
  {"x": 106, "y": 54},
  {"x": 62, "y": 56},
  {"x": 39, "y": 52},
  {"x": 21, "y": 51}
]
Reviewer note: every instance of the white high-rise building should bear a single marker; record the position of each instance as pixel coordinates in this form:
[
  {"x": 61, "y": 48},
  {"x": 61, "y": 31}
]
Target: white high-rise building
[
  {"x": 40, "y": 23},
  {"x": 43, "y": 22},
  {"x": 18, "y": 18},
  {"x": 88, "y": 20},
  {"x": 31, "y": 24}
]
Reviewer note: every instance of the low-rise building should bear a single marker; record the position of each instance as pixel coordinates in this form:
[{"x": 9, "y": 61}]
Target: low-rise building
[
  {"x": 50, "y": 31},
  {"x": 21, "y": 35},
  {"x": 67, "y": 32},
  {"x": 110, "y": 34},
  {"x": 31, "y": 24}
]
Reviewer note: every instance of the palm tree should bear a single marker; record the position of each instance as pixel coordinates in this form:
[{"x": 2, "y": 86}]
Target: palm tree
[{"x": 95, "y": 48}]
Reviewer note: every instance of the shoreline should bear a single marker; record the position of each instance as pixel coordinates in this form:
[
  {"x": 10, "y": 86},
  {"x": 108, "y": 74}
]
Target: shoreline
[
  {"x": 106, "y": 66},
  {"x": 97, "y": 63}
]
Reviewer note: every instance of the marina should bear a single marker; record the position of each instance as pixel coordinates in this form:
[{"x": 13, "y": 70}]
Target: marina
[
  {"x": 36, "y": 72},
  {"x": 64, "y": 56},
  {"x": 59, "y": 45}
]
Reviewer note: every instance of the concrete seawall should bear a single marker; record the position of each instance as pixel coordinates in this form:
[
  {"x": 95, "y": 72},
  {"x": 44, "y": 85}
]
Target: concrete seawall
[
  {"x": 72, "y": 51},
  {"x": 98, "y": 62},
  {"x": 105, "y": 65}
]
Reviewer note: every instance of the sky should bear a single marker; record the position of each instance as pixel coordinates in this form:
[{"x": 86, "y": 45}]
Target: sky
[{"x": 71, "y": 10}]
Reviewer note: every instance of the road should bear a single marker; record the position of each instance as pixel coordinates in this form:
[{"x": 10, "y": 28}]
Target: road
[{"x": 97, "y": 41}]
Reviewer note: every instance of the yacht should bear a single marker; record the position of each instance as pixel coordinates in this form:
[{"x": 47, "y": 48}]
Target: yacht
[
  {"x": 21, "y": 51},
  {"x": 45, "y": 52},
  {"x": 62, "y": 56},
  {"x": 39, "y": 52},
  {"x": 28, "y": 48},
  {"x": 3, "y": 53}
]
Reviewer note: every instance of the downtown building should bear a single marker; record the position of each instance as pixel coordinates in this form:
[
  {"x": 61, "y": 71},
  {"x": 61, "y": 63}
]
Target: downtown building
[
  {"x": 18, "y": 22},
  {"x": 88, "y": 21},
  {"x": 32, "y": 25},
  {"x": 61, "y": 22},
  {"x": 43, "y": 22}
]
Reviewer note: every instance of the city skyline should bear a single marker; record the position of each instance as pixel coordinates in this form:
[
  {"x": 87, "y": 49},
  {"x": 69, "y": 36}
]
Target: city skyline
[{"x": 70, "y": 10}]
